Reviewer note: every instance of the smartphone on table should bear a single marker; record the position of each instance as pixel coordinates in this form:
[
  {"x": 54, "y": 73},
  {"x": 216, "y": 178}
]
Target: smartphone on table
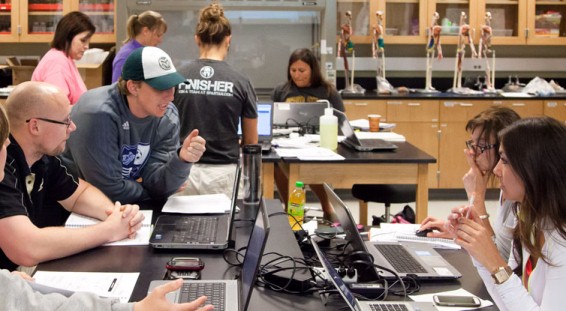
[
  {"x": 456, "y": 301},
  {"x": 185, "y": 263}
]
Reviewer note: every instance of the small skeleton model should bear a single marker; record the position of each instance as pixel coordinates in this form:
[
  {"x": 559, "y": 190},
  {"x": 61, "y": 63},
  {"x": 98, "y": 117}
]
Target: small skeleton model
[
  {"x": 484, "y": 50},
  {"x": 465, "y": 38},
  {"x": 433, "y": 46},
  {"x": 345, "y": 45},
  {"x": 378, "y": 50}
]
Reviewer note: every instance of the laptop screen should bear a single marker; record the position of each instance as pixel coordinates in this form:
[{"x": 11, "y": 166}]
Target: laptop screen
[
  {"x": 264, "y": 120},
  {"x": 254, "y": 252},
  {"x": 335, "y": 277}
]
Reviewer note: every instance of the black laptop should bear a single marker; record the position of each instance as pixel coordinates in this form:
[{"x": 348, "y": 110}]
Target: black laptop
[
  {"x": 404, "y": 258},
  {"x": 210, "y": 231},
  {"x": 287, "y": 115},
  {"x": 229, "y": 295},
  {"x": 352, "y": 141}
]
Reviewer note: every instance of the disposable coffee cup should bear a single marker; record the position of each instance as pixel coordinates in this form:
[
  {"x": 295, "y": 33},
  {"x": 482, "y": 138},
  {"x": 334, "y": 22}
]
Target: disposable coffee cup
[{"x": 374, "y": 122}]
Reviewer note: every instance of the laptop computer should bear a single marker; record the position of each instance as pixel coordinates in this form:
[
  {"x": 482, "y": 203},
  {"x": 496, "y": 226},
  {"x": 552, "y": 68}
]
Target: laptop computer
[
  {"x": 210, "y": 231},
  {"x": 356, "y": 305},
  {"x": 229, "y": 295},
  {"x": 404, "y": 258},
  {"x": 264, "y": 125},
  {"x": 298, "y": 114},
  {"x": 352, "y": 141}
]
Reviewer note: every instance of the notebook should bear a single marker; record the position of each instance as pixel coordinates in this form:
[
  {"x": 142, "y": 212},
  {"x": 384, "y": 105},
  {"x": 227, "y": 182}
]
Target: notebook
[
  {"x": 402, "y": 257},
  {"x": 366, "y": 144},
  {"x": 353, "y": 303},
  {"x": 298, "y": 115},
  {"x": 196, "y": 231},
  {"x": 230, "y": 295},
  {"x": 264, "y": 125}
]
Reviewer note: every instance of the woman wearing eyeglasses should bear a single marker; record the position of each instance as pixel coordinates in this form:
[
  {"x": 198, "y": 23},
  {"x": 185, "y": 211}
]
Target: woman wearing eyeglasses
[{"x": 482, "y": 155}]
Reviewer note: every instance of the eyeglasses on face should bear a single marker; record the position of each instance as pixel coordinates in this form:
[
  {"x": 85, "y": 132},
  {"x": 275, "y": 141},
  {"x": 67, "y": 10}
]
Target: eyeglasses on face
[
  {"x": 66, "y": 122},
  {"x": 479, "y": 149}
]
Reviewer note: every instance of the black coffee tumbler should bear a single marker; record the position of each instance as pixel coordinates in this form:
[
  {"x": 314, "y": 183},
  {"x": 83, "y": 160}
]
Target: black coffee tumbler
[{"x": 252, "y": 181}]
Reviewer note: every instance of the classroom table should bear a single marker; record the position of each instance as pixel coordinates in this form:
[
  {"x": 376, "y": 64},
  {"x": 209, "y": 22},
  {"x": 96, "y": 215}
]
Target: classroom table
[
  {"x": 405, "y": 165},
  {"x": 151, "y": 265}
]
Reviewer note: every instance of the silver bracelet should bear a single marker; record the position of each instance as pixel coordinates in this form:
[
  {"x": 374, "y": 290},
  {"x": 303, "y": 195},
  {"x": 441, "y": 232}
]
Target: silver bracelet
[{"x": 483, "y": 217}]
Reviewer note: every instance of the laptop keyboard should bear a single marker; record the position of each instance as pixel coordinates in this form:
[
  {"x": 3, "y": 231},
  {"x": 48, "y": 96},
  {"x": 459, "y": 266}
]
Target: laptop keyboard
[
  {"x": 216, "y": 293},
  {"x": 400, "y": 258},
  {"x": 197, "y": 229},
  {"x": 389, "y": 307}
]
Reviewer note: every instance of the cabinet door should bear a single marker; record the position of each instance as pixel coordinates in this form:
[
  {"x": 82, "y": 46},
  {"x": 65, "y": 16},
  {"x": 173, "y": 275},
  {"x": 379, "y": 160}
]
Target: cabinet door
[
  {"x": 525, "y": 108},
  {"x": 461, "y": 110},
  {"x": 424, "y": 135},
  {"x": 359, "y": 109},
  {"x": 555, "y": 109},
  {"x": 363, "y": 18},
  {"x": 452, "y": 166},
  {"x": 412, "y": 110},
  {"x": 545, "y": 22},
  {"x": 449, "y": 11},
  {"x": 508, "y": 20},
  {"x": 404, "y": 21},
  {"x": 9, "y": 19},
  {"x": 102, "y": 14},
  {"x": 38, "y": 18}
]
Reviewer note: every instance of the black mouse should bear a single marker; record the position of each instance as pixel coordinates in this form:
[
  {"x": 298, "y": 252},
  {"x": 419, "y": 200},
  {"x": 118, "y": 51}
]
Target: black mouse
[{"x": 423, "y": 233}]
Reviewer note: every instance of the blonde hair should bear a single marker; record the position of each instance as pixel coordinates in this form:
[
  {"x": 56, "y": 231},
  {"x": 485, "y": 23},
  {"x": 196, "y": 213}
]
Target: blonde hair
[
  {"x": 213, "y": 26},
  {"x": 150, "y": 19}
]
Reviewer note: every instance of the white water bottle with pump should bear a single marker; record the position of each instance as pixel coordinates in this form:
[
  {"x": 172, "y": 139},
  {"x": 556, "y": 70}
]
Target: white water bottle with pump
[{"x": 329, "y": 130}]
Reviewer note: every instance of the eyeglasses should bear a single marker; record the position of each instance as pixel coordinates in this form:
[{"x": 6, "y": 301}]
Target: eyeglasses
[
  {"x": 66, "y": 122},
  {"x": 479, "y": 149}
]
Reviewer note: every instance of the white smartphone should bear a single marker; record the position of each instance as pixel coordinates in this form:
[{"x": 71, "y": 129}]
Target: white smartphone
[{"x": 456, "y": 301}]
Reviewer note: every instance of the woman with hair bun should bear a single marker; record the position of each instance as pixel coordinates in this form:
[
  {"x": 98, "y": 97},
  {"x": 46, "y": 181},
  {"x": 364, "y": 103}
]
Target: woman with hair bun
[
  {"x": 145, "y": 29},
  {"x": 213, "y": 99}
]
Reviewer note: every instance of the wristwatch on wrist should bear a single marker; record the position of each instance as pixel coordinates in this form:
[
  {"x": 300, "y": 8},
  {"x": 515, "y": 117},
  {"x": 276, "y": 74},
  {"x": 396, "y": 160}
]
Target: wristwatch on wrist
[{"x": 502, "y": 274}]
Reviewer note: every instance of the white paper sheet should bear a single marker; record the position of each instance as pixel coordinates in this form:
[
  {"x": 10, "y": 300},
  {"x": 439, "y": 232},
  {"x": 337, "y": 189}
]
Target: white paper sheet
[
  {"x": 104, "y": 284},
  {"x": 310, "y": 154},
  {"x": 198, "y": 204},
  {"x": 458, "y": 292}
]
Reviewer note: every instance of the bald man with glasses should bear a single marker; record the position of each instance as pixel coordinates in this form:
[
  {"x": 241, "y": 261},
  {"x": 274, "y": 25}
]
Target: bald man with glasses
[{"x": 38, "y": 191}]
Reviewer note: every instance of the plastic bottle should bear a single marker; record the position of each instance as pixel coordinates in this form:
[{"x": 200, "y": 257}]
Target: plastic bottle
[
  {"x": 329, "y": 130},
  {"x": 296, "y": 207}
]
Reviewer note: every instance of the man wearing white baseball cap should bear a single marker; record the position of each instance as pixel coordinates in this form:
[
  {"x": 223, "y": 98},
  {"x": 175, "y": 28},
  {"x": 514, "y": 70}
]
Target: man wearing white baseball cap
[{"x": 127, "y": 137}]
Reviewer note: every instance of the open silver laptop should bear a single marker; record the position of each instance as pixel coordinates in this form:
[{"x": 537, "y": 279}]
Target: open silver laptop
[
  {"x": 298, "y": 114},
  {"x": 404, "y": 258},
  {"x": 264, "y": 125},
  {"x": 229, "y": 295},
  {"x": 356, "y": 305},
  {"x": 210, "y": 231},
  {"x": 352, "y": 141}
]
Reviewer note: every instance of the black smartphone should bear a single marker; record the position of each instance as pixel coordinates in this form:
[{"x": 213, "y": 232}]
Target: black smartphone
[
  {"x": 184, "y": 274},
  {"x": 185, "y": 263},
  {"x": 456, "y": 301}
]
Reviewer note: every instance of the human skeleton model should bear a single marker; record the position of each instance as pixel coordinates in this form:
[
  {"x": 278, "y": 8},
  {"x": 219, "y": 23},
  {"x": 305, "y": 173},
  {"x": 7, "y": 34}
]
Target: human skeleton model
[
  {"x": 465, "y": 38},
  {"x": 433, "y": 46},
  {"x": 378, "y": 50},
  {"x": 484, "y": 50},
  {"x": 378, "y": 45},
  {"x": 345, "y": 45}
]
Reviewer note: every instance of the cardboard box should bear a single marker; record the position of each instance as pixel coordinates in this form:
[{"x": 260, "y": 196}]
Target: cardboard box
[{"x": 22, "y": 69}]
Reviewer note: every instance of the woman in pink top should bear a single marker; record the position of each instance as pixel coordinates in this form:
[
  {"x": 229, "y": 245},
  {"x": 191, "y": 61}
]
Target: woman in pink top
[{"x": 57, "y": 66}]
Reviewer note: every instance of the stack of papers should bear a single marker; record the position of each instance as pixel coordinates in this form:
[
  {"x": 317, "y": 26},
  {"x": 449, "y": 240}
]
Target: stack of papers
[
  {"x": 198, "y": 204},
  {"x": 104, "y": 284},
  {"x": 309, "y": 154},
  {"x": 406, "y": 233},
  {"x": 387, "y": 136}
]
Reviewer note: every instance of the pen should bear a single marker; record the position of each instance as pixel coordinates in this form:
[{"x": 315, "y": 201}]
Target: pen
[{"x": 112, "y": 284}]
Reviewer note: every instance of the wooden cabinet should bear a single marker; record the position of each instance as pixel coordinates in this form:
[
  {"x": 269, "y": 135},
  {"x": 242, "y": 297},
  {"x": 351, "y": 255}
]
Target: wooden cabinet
[
  {"x": 360, "y": 109},
  {"x": 417, "y": 120},
  {"x": 405, "y": 21},
  {"x": 545, "y": 22},
  {"x": 438, "y": 126},
  {"x": 363, "y": 18},
  {"x": 35, "y": 20},
  {"x": 555, "y": 109}
]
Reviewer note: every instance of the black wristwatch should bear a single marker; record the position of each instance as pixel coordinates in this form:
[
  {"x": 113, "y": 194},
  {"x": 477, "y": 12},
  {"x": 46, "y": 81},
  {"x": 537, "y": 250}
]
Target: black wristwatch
[{"x": 502, "y": 274}]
